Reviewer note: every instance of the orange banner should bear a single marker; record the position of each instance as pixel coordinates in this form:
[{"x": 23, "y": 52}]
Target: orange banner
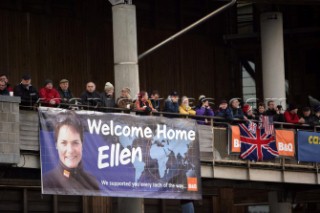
[
  {"x": 285, "y": 140},
  {"x": 235, "y": 139}
]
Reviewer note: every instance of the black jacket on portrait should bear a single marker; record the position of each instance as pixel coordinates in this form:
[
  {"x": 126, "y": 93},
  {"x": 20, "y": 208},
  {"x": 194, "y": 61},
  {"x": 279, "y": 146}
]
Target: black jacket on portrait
[{"x": 63, "y": 180}]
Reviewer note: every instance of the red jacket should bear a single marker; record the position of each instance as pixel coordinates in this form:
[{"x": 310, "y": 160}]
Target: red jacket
[
  {"x": 291, "y": 118},
  {"x": 47, "y": 94}
]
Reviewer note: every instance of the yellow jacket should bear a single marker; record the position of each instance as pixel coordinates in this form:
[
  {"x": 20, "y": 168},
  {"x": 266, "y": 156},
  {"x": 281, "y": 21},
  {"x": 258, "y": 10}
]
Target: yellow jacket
[{"x": 186, "y": 110}]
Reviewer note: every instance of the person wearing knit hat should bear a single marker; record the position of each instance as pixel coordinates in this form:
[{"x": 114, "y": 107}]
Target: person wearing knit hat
[
  {"x": 125, "y": 100},
  {"x": 247, "y": 110},
  {"x": 291, "y": 116},
  {"x": 184, "y": 107},
  {"x": 107, "y": 97},
  {"x": 64, "y": 92},
  {"x": 49, "y": 96}
]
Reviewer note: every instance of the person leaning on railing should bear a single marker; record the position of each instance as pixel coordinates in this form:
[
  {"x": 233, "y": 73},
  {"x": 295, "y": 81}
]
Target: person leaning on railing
[
  {"x": 234, "y": 110},
  {"x": 125, "y": 100},
  {"x": 90, "y": 97},
  {"x": 291, "y": 116},
  {"x": 64, "y": 91},
  {"x": 184, "y": 107},
  {"x": 107, "y": 97},
  {"x": 28, "y": 93},
  {"x": 49, "y": 95},
  {"x": 308, "y": 117},
  {"x": 155, "y": 100},
  {"x": 204, "y": 110},
  {"x": 143, "y": 105},
  {"x": 172, "y": 104},
  {"x": 248, "y": 112},
  {"x": 223, "y": 110}
]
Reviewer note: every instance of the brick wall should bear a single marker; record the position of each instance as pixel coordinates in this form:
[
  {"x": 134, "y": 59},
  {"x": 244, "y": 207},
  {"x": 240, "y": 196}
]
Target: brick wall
[{"x": 9, "y": 130}]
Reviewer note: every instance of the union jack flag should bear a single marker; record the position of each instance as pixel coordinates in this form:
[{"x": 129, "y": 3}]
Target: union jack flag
[{"x": 257, "y": 145}]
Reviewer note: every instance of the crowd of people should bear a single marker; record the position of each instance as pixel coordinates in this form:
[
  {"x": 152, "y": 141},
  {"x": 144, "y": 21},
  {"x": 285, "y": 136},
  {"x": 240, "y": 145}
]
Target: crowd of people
[{"x": 145, "y": 105}]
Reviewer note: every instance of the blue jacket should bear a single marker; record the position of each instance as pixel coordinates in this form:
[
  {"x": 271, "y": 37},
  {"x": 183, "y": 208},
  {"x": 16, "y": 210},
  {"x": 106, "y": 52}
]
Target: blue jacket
[
  {"x": 235, "y": 113},
  {"x": 170, "y": 106},
  {"x": 224, "y": 113}
]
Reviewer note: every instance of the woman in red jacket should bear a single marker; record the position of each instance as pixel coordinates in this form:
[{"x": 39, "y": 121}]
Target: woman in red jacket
[
  {"x": 49, "y": 95},
  {"x": 291, "y": 116}
]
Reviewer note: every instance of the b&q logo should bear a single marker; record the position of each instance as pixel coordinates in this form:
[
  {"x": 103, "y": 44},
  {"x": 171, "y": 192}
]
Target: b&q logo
[{"x": 192, "y": 184}]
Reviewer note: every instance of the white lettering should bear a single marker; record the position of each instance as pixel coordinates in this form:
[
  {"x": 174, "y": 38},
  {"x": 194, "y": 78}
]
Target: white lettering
[
  {"x": 93, "y": 126},
  {"x": 102, "y": 157}
]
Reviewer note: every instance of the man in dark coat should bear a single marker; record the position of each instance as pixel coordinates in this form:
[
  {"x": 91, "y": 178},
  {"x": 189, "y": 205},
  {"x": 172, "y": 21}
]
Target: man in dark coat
[
  {"x": 29, "y": 94},
  {"x": 90, "y": 97},
  {"x": 107, "y": 97},
  {"x": 171, "y": 105},
  {"x": 64, "y": 91}
]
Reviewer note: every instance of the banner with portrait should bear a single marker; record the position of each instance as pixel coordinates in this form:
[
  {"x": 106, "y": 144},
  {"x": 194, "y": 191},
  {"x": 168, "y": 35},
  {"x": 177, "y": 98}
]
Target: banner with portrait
[{"x": 118, "y": 155}]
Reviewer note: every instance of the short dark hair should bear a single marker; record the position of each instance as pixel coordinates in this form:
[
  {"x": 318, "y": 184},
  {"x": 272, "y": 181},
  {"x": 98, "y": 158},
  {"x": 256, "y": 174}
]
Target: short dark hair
[
  {"x": 154, "y": 92},
  {"x": 270, "y": 102},
  {"x": 70, "y": 119},
  {"x": 261, "y": 104}
]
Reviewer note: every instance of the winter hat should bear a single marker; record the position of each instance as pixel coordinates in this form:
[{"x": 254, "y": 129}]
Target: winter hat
[
  {"x": 292, "y": 107},
  {"x": 108, "y": 86},
  {"x": 223, "y": 101},
  {"x": 47, "y": 81},
  {"x": 306, "y": 109},
  {"x": 174, "y": 93},
  {"x": 246, "y": 108},
  {"x": 26, "y": 77}
]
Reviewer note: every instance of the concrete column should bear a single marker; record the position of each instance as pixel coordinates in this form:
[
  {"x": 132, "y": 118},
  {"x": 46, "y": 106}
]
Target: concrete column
[
  {"x": 126, "y": 72},
  {"x": 125, "y": 48},
  {"x": 275, "y": 206},
  {"x": 273, "y": 70}
]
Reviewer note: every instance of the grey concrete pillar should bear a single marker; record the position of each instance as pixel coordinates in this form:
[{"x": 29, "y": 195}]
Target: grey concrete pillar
[
  {"x": 125, "y": 48},
  {"x": 126, "y": 72},
  {"x": 273, "y": 69},
  {"x": 276, "y": 206}
]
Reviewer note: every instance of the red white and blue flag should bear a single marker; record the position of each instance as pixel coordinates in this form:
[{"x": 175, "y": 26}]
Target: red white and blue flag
[
  {"x": 256, "y": 143},
  {"x": 267, "y": 124}
]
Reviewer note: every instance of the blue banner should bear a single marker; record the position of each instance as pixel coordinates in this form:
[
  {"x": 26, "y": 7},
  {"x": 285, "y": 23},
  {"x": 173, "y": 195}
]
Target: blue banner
[
  {"x": 308, "y": 146},
  {"x": 119, "y": 155}
]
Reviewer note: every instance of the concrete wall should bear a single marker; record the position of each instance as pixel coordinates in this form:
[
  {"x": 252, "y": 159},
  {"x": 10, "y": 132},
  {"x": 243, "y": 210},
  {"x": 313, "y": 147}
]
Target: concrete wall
[{"x": 9, "y": 130}]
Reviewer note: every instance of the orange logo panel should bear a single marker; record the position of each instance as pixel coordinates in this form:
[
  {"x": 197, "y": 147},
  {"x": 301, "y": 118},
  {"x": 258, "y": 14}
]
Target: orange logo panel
[
  {"x": 235, "y": 139},
  {"x": 285, "y": 142},
  {"x": 192, "y": 184}
]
